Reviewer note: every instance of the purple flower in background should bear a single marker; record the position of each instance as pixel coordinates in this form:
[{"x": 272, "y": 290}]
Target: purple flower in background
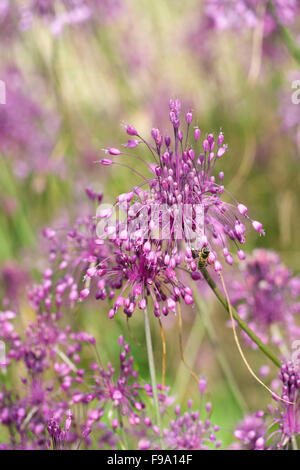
[
  {"x": 51, "y": 356},
  {"x": 28, "y": 132},
  {"x": 61, "y": 13},
  {"x": 267, "y": 296},
  {"x": 14, "y": 280},
  {"x": 250, "y": 433},
  {"x": 9, "y": 17},
  {"x": 7, "y": 328},
  {"x": 189, "y": 430},
  {"x": 71, "y": 253},
  {"x": 242, "y": 17},
  {"x": 245, "y": 14}
]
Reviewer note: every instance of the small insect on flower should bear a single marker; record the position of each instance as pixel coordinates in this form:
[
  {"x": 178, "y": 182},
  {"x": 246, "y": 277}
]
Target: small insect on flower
[{"x": 202, "y": 256}]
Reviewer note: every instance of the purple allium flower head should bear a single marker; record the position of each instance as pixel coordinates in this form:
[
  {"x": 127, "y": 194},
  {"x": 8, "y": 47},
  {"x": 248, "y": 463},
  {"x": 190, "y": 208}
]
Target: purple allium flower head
[{"x": 184, "y": 195}]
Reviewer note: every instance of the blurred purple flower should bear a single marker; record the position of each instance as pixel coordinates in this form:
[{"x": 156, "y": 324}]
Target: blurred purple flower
[
  {"x": 268, "y": 295},
  {"x": 28, "y": 132},
  {"x": 251, "y": 432}
]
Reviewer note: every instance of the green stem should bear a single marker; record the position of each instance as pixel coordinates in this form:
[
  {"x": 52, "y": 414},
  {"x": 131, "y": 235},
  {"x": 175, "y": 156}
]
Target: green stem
[
  {"x": 152, "y": 372},
  {"x": 238, "y": 319},
  {"x": 221, "y": 358}
]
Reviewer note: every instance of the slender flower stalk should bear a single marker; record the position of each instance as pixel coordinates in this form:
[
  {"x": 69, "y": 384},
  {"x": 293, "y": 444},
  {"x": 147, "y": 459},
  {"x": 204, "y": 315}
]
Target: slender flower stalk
[
  {"x": 238, "y": 319},
  {"x": 152, "y": 371}
]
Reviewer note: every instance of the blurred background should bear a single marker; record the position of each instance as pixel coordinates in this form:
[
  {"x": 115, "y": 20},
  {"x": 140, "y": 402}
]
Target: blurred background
[{"x": 74, "y": 74}]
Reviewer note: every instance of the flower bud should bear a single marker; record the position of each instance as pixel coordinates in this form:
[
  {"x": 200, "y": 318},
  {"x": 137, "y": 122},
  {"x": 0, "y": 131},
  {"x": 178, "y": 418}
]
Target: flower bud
[
  {"x": 114, "y": 151},
  {"x": 197, "y": 133},
  {"x": 189, "y": 117},
  {"x": 131, "y": 130}
]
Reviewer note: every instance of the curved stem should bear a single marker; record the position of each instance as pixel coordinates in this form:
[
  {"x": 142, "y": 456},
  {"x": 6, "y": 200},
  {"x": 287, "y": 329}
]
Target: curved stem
[
  {"x": 238, "y": 319},
  {"x": 152, "y": 372}
]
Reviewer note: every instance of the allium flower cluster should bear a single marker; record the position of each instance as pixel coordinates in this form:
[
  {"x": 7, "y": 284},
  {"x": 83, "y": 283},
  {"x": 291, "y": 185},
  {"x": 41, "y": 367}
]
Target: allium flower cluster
[
  {"x": 183, "y": 205},
  {"x": 147, "y": 254}
]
